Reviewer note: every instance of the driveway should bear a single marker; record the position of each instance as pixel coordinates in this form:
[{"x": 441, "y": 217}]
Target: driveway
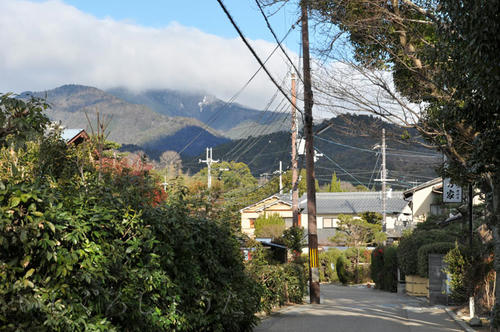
[{"x": 345, "y": 309}]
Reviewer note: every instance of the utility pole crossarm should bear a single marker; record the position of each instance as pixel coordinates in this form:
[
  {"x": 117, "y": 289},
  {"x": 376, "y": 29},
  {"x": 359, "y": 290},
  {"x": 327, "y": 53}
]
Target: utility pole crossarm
[{"x": 209, "y": 161}]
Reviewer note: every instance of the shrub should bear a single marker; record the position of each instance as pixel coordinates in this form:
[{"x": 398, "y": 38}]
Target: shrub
[
  {"x": 279, "y": 283},
  {"x": 377, "y": 267},
  {"x": 342, "y": 270},
  {"x": 411, "y": 242},
  {"x": 269, "y": 226},
  {"x": 326, "y": 259},
  {"x": 457, "y": 265},
  {"x": 384, "y": 268},
  {"x": 390, "y": 279},
  {"x": 431, "y": 248}
]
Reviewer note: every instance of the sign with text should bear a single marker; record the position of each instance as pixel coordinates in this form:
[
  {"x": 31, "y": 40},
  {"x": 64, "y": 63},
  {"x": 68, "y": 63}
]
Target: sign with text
[{"x": 451, "y": 192}]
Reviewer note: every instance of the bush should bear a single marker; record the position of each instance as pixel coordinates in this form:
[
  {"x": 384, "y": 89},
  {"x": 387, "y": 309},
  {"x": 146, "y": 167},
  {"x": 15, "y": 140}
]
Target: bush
[
  {"x": 269, "y": 226},
  {"x": 384, "y": 268},
  {"x": 431, "y": 248},
  {"x": 411, "y": 242},
  {"x": 457, "y": 266},
  {"x": 342, "y": 270},
  {"x": 326, "y": 259},
  {"x": 280, "y": 283}
]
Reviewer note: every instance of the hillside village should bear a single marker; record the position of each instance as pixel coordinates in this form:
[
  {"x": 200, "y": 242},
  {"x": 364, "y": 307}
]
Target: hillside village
[{"x": 249, "y": 166}]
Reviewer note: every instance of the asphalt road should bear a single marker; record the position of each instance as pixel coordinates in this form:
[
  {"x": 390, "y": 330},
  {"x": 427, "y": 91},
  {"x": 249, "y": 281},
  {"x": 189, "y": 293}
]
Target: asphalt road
[{"x": 346, "y": 309}]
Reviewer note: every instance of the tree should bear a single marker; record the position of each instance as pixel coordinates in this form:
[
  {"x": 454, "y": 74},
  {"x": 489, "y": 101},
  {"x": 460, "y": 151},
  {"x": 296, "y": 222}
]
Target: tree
[
  {"x": 21, "y": 120},
  {"x": 356, "y": 232},
  {"x": 335, "y": 184},
  {"x": 372, "y": 217},
  {"x": 171, "y": 160},
  {"x": 433, "y": 66},
  {"x": 269, "y": 226}
]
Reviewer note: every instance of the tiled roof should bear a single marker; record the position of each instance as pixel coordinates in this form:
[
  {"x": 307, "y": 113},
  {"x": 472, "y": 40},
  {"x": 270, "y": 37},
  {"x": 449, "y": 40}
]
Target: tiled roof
[
  {"x": 355, "y": 202},
  {"x": 409, "y": 192}
]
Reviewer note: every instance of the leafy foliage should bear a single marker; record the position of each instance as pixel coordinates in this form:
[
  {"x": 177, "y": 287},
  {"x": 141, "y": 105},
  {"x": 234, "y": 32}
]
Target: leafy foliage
[
  {"x": 269, "y": 226},
  {"x": 281, "y": 283},
  {"x": 327, "y": 259},
  {"x": 431, "y": 248},
  {"x": 89, "y": 250},
  {"x": 293, "y": 238},
  {"x": 21, "y": 120},
  {"x": 384, "y": 267}
]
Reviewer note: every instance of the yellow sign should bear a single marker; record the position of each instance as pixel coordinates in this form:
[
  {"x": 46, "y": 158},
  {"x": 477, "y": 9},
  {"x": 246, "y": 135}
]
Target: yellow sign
[{"x": 313, "y": 258}]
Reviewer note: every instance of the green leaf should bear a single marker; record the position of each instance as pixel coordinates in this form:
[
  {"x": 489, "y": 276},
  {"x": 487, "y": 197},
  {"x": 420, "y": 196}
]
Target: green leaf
[
  {"x": 51, "y": 226},
  {"x": 15, "y": 201},
  {"x": 29, "y": 273}
]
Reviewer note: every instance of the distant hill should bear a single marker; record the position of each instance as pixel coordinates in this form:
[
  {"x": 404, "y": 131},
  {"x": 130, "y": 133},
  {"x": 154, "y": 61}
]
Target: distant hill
[
  {"x": 129, "y": 123},
  {"x": 347, "y": 146},
  {"x": 229, "y": 119}
]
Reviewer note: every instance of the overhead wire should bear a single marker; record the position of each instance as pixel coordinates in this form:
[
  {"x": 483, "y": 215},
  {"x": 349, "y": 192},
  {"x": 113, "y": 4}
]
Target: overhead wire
[
  {"x": 276, "y": 38},
  {"x": 235, "y": 96},
  {"x": 256, "y": 56}
]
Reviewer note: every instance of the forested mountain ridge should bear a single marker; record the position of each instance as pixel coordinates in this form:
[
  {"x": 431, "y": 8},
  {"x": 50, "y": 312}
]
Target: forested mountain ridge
[
  {"x": 128, "y": 123},
  {"x": 227, "y": 118},
  {"x": 348, "y": 148}
]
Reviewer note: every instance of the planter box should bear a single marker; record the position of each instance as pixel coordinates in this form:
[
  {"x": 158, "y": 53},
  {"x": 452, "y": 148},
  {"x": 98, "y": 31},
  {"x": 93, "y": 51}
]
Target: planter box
[{"x": 417, "y": 286}]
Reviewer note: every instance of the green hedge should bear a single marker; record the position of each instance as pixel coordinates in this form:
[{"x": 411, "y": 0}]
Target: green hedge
[
  {"x": 384, "y": 268},
  {"x": 410, "y": 244},
  {"x": 431, "y": 248},
  {"x": 280, "y": 283},
  {"x": 92, "y": 258},
  {"x": 326, "y": 259}
]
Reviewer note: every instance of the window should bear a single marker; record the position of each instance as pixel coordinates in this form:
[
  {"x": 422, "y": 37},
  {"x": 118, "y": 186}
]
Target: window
[
  {"x": 329, "y": 223},
  {"x": 252, "y": 222}
]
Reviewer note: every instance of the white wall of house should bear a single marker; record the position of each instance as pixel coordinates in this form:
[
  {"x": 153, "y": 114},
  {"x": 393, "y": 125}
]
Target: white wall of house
[
  {"x": 249, "y": 215},
  {"x": 422, "y": 201}
]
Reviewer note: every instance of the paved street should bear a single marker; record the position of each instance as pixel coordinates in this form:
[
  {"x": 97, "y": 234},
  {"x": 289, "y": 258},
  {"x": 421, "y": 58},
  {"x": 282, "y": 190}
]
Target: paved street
[{"x": 346, "y": 309}]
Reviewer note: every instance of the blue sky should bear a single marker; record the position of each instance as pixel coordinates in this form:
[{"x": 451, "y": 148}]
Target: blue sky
[
  {"x": 183, "y": 45},
  {"x": 205, "y": 15}
]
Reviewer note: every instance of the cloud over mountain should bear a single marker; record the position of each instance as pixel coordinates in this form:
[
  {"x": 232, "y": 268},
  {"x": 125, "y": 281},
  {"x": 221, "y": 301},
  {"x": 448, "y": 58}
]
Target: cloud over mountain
[{"x": 47, "y": 44}]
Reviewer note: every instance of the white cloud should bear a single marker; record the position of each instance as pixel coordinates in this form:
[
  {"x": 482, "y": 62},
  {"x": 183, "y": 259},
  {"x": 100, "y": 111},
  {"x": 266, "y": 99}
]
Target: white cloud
[{"x": 44, "y": 45}]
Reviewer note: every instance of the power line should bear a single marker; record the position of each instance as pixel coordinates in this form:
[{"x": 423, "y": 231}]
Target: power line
[
  {"x": 254, "y": 53},
  {"x": 234, "y": 97},
  {"x": 276, "y": 38},
  {"x": 352, "y": 176}
]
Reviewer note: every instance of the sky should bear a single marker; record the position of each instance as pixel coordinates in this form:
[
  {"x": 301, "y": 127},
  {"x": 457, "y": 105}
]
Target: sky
[{"x": 186, "y": 45}]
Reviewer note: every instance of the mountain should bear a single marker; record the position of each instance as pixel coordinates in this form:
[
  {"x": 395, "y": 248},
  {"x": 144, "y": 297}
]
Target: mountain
[
  {"x": 230, "y": 119},
  {"x": 346, "y": 142},
  {"x": 128, "y": 123}
]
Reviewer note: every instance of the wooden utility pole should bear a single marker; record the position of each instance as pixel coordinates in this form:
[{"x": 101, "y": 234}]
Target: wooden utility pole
[
  {"x": 314, "y": 289},
  {"x": 295, "y": 168}
]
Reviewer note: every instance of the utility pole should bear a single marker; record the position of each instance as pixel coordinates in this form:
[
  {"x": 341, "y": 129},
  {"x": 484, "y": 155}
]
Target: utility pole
[
  {"x": 295, "y": 168},
  {"x": 209, "y": 161},
  {"x": 280, "y": 172},
  {"x": 384, "y": 180},
  {"x": 314, "y": 288}
]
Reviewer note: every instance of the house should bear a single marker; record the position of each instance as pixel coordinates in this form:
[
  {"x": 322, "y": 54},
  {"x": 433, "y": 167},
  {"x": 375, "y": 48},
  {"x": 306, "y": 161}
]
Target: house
[
  {"x": 74, "y": 136},
  {"x": 330, "y": 205},
  {"x": 426, "y": 200},
  {"x": 276, "y": 204}
]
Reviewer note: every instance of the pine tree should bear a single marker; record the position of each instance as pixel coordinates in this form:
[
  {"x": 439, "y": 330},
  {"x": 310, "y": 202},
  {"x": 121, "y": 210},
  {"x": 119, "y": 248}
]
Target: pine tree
[{"x": 335, "y": 184}]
